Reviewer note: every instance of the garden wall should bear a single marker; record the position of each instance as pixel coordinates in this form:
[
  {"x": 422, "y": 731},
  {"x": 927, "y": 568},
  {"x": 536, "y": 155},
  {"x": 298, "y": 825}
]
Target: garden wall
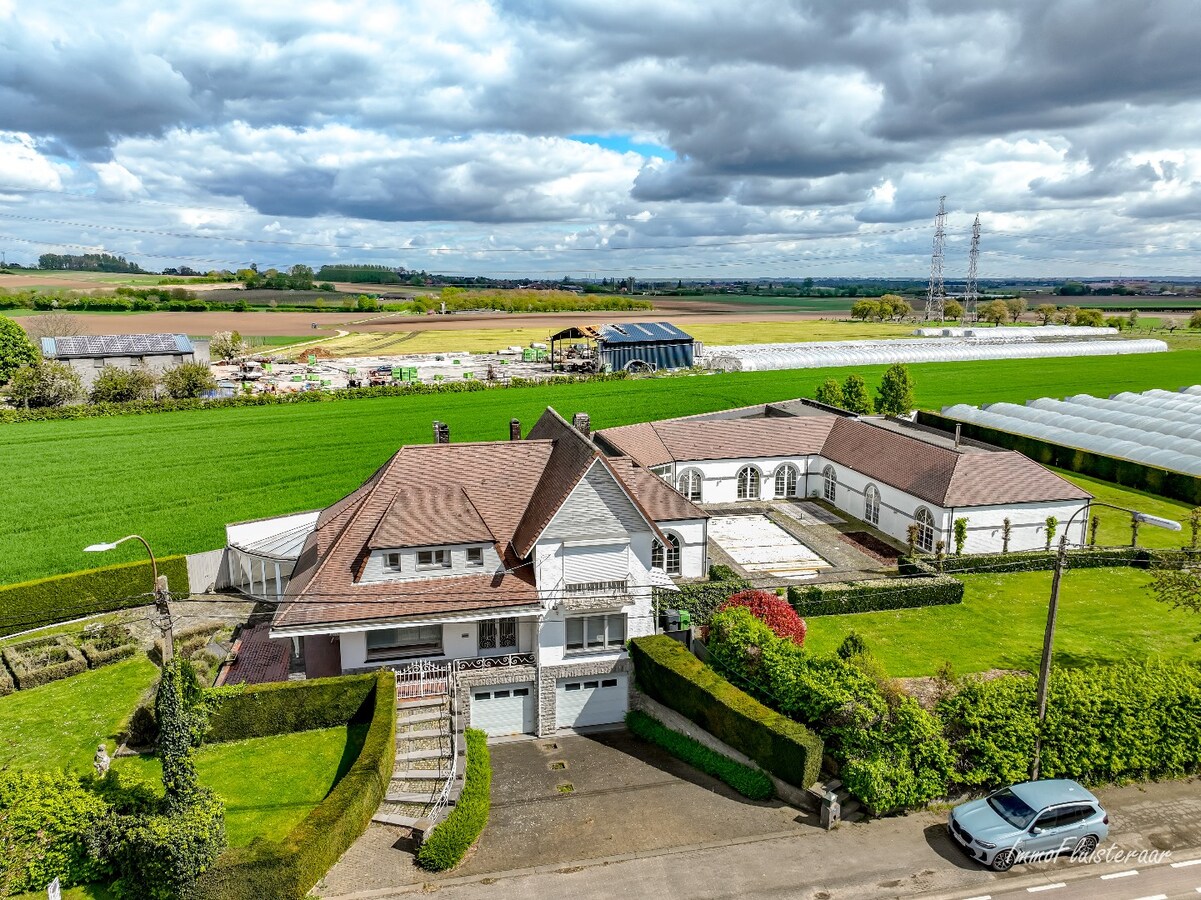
[{"x": 1176, "y": 485}]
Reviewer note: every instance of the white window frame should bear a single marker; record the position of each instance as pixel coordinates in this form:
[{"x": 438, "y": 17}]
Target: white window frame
[
  {"x": 496, "y": 634},
  {"x": 871, "y": 505},
  {"x": 392, "y": 562},
  {"x": 439, "y": 559},
  {"x": 750, "y": 483},
  {"x": 666, "y": 558},
  {"x": 611, "y": 640},
  {"x": 691, "y": 484},
  {"x": 784, "y": 474},
  {"x": 830, "y": 484},
  {"x": 925, "y": 528},
  {"x": 475, "y": 556},
  {"x": 417, "y": 640}
]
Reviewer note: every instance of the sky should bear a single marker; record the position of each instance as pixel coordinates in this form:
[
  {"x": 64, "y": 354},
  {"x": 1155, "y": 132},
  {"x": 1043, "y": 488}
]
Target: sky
[{"x": 551, "y": 138}]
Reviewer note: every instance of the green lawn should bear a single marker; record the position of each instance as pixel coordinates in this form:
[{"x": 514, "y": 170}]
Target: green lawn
[
  {"x": 1115, "y": 526},
  {"x": 268, "y": 784},
  {"x": 59, "y": 724},
  {"x": 1105, "y": 616},
  {"x": 177, "y": 478}
]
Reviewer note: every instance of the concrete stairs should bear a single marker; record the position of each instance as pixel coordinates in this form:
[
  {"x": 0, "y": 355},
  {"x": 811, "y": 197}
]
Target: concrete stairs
[
  {"x": 425, "y": 746},
  {"x": 850, "y": 809}
]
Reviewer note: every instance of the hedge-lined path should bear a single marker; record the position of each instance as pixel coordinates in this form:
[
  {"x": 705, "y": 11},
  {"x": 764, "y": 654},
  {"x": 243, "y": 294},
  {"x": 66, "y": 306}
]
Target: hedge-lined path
[
  {"x": 425, "y": 745},
  {"x": 908, "y": 856}
]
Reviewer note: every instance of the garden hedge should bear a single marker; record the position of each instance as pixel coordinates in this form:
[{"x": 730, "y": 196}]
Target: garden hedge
[
  {"x": 667, "y": 672},
  {"x": 284, "y": 707},
  {"x": 7, "y": 686},
  {"x": 839, "y": 597},
  {"x": 289, "y": 868},
  {"x": 1042, "y": 560},
  {"x": 750, "y": 782},
  {"x": 702, "y": 598},
  {"x": 32, "y": 604},
  {"x": 445, "y": 846},
  {"x": 28, "y": 673},
  {"x": 109, "y": 644}
]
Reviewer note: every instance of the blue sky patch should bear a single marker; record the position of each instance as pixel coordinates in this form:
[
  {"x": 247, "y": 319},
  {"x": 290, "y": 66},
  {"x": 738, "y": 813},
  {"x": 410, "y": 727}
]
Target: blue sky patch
[{"x": 623, "y": 143}]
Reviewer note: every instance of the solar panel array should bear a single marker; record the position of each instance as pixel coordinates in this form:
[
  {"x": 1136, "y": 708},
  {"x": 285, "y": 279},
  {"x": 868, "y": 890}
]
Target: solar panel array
[
  {"x": 1156, "y": 428},
  {"x": 121, "y": 345},
  {"x": 637, "y": 332}
]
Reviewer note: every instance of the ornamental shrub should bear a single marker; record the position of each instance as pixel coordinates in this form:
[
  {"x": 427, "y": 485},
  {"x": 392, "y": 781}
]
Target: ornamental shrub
[
  {"x": 752, "y": 783},
  {"x": 45, "y": 820},
  {"x": 773, "y": 611},
  {"x": 445, "y": 846},
  {"x": 160, "y": 856}
]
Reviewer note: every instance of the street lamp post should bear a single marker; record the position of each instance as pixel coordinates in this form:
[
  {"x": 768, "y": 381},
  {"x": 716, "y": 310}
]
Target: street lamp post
[
  {"x": 1061, "y": 558},
  {"x": 159, "y": 591}
]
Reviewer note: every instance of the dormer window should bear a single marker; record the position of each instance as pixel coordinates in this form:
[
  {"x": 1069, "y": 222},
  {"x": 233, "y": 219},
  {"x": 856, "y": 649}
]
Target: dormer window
[
  {"x": 392, "y": 561},
  {"x": 475, "y": 556},
  {"x": 433, "y": 559}
]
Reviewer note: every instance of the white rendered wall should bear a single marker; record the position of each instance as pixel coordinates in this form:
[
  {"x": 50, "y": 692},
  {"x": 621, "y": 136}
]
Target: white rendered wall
[
  {"x": 694, "y": 561},
  {"x": 720, "y": 483}
]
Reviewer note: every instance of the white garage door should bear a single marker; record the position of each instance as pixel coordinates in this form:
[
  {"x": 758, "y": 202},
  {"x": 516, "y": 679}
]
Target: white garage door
[
  {"x": 595, "y": 700},
  {"x": 503, "y": 709}
]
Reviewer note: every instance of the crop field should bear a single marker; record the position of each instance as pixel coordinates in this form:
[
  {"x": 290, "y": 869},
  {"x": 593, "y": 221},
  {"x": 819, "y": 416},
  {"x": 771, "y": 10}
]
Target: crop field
[{"x": 177, "y": 478}]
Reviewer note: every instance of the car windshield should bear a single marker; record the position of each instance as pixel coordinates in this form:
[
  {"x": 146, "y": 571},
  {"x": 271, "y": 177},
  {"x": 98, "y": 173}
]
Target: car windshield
[{"x": 1010, "y": 807}]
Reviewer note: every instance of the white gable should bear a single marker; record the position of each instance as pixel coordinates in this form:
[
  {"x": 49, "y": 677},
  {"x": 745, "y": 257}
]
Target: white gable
[{"x": 598, "y": 507}]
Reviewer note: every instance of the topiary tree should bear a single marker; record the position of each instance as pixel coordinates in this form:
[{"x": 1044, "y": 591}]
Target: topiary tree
[
  {"x": 46, "y": 383},
  {"x": 894, "y": 396},
  {"x": 1134, "y": 524},
  {"x": 188, "y": 380},
  {"x": 1051, "y": 523},
  {"x": 855, "y": 396},
  {"x": 940, "y": 553},
  {"x": 960, "y": 535},
  {"x": 1092, "y": 530},
  {"x": 830, "y": 393},
  {"x": 773, "y": 611},
  {"x": 16, "y": 349},
  {"x": 911, "y": 538},
  {"x": 852, "y": 645},
  {"x": 1006, "y": 532}
]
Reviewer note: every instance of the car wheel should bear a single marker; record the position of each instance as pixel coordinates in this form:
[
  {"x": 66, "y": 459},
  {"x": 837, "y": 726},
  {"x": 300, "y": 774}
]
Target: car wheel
[
  {"x": 1085, "y": 848},
  {"x": 1004, "y": 860}
]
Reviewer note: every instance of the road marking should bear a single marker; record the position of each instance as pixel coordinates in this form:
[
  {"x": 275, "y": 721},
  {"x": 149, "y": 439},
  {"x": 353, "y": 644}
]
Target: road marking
[
  {"x": 1155, "y": 897},
  {"x": 1187, "y": 862},
  {"x": 1125, "y": 874},
  {"x": 989, "y": 896},
  {"x": 1045, "y": 887}
]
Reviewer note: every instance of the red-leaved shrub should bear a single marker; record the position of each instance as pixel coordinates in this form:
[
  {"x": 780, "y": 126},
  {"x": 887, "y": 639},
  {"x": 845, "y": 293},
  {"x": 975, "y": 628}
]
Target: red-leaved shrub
[{"x": 773, "y": 611}]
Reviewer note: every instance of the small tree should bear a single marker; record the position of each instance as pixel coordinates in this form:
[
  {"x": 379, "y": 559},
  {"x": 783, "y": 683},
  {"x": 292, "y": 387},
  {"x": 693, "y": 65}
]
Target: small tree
[
  {"x": 1067, "y": 315},
  {"x": 1051, "y": 523},
  {"x": 960, "y": 535},
  {"x": 773, "y": 611},
  {"x": 995, "y": 311},
  {"x": 1134, "y": 524},
  {"x": 911, "y": 538},
  {"x": 830, "y": 393},
  {"x": 894, "y": 306},
  {"x": 1092, "y": 318},
  {"x": 1092, "y": 530},
  {"x": 1195, "y": 320},
  {"x": 940, "y": 553},
  {"x": 53, "y": 324},
  {"x": 116, "y": 385},
  {"x": 1194, "y": 524},
  {"x": 16, "y": 349},
  {"x": 894, "y": 396},
  {"x": 1132, "y": 319},
  {"x": 1006, "y": 532},
  {"x": 855, "y": 396},
  {"x": 48, "y": 383},
  {"x": 226, "y": 345},
  {"x": 1179, "y": 588},
  {"x": 1046, "y": 313},
  {"x": 865, "y": 309},
  {"x": 953, "y": 310},
  {"x": 188, "y": 380},
  {"x": 1017, "y": 308}
]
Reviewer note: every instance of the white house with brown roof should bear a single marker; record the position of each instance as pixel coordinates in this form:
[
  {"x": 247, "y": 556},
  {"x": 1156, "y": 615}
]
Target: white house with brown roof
[
  {"x": 886, "y": 472},
  {"x": 528, "y": 563}
]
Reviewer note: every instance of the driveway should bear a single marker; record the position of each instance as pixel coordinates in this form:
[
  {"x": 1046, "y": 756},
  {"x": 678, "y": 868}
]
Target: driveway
[{"x": 577, "y": 797}]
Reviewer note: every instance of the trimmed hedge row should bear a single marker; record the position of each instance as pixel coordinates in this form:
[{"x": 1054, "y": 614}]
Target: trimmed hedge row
[
  {"x": 702, "y": 598},
  {"x": 28, "y": 674},
  {"x": 44, "y": 601},
  {"x": 445, "y": 846},
  {"x": 749, "y": 782},
  {"x": 666, "y": 671},
  {"x": 147, "y": 407},
  {"x": 1044, "y": 560},
  {"x": 287, "y": 706},
  {"x": 97, "y": 657},
  {"x": 7, "y": 686},
  {"x": 288, "y": 869},
  {"x": 840, "y": 597}
]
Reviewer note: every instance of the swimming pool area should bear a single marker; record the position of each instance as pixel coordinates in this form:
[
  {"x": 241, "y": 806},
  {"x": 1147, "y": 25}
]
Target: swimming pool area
[{"x": 762, "y": 547}]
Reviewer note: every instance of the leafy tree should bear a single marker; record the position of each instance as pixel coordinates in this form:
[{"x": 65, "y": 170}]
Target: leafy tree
[
  {"x": 1016, "y": 307},
  {"x": 225, "y": 345},
  {"x": 953, "y": 310},
  {"x": 188, "y": 380},
  {"x": 960, "y": 535},
  {"x": 865, "y": 309},
  {"x": 47, "y": 383},
  {"x": 855, "y": 396},
  {"x": 1067, "y": 315},
  {"x": 1092, "y": 318},
  {"x": 1195, "y": 320},
  {"x": 1180, "y": 588},
  {"x": 1046, "y": 313},
  {"x": 1072, "y": 289},
  {"x": 995, "y": 311},
  {"x": 1132, "y": 319},
  {"x": 1052, "y": 523},
  {"x": 894, "y": 306},
  {"x": 117, "y": 385},
  {"x": 894, "y": 396},
  {"x": 300, "y": 278},
  {"x": 16, "y": 349},
  {"x": 830, "y": 393}
]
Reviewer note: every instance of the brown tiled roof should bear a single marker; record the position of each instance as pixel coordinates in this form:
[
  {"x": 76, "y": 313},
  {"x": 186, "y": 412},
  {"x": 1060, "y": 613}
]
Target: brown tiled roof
[
  {"x": 656, "y": 443},
  {"x": 970, "y": 476},
  {"x": 429, "y": 515},
  {"x": 662, "y": 502},
  {"x": 257, "y": 658}
]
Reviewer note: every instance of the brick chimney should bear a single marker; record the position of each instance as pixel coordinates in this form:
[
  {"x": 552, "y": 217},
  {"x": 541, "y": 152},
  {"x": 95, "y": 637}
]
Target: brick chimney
[
  {"x": 441, "y": 433},
  {"x": 514, "y": 429},
  {"x": 582, "y": 423}
]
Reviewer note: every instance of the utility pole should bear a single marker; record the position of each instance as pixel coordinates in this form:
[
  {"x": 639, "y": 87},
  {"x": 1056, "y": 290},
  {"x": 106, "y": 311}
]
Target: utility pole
[
  {"x": 970, "y": 291},
  {"x": 1044, "y": 671},
  {"x": 936, "y": 294},
  {"x": 163, "y": 606}
]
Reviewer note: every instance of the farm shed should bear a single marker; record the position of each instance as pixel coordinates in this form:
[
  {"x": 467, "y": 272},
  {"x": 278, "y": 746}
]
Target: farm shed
[
  {"x": 634, "y": 346},
  {"x": 87, "y": 354}
]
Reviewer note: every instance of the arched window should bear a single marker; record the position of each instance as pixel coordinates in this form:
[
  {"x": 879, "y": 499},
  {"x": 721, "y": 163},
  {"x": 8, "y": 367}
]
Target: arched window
[
  {"x": 690, "y": 484},
  {"x": 786, "y": 477},
  {"x": 871, "y": 505},
  {"x": 748, "y": 483},
  {"x": 830, "y": 480},
  {"x": 925, "y": 529},
  {"x": 666, "y": 558}
]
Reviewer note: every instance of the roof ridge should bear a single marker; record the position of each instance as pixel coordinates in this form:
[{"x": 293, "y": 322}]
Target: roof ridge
[{"x": 471, "y": 503}]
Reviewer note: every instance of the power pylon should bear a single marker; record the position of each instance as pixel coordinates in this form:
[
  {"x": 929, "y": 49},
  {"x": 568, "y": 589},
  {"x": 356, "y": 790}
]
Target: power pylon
[
  {"x": 970, "y": 291},
  {"x": 937, "y": 294}
]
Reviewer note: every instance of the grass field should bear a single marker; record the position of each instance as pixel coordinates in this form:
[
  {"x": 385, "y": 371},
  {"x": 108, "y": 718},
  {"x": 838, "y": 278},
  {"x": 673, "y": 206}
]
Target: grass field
[
  {"x": 1114, "y": 530},
  {"x": 1105, "y": 616},
  {"x": 177, "y": 478}
]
